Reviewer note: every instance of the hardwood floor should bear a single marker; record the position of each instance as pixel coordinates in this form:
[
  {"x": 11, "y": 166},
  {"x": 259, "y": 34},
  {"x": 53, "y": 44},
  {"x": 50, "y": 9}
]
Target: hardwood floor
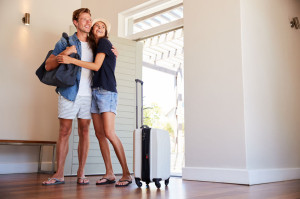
[{"x": 29, "y": 186}]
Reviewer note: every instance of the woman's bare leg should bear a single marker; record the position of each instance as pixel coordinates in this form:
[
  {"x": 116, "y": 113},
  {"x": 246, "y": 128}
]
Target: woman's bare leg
[
  {"x": 108, "y": 119},
  {"x": 104, "y": 147}
]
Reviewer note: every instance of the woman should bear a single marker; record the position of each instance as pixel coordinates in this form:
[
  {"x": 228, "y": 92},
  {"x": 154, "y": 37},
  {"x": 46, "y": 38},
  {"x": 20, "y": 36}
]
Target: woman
[{"x": 104, "y": 99}]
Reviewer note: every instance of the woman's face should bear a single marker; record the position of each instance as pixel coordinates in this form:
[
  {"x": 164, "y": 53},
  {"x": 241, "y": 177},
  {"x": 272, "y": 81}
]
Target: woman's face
[{"x": 99, "y": 29}]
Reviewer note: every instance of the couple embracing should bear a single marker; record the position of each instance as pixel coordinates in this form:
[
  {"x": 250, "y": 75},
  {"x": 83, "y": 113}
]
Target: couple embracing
[{"x": 94, "y": 95}]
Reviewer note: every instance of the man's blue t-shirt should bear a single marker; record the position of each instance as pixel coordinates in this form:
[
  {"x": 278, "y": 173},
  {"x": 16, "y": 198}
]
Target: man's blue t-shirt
[{"x": 105, "y": 76}]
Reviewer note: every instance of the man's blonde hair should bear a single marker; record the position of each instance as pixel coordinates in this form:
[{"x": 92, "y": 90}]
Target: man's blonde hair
[{"x": 79, "y": 11}]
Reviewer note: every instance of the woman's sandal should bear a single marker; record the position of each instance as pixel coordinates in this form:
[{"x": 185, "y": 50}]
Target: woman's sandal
[
  {"x": 124, "y": 185},
  {"x": 108, "y": 181}
]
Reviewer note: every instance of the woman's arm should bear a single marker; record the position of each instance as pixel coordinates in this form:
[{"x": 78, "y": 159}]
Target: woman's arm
[
  {"x": 52, "y": 62},
  {"x": 96, "y": 65}
]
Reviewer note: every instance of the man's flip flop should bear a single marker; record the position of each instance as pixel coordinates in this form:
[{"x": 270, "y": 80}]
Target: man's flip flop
[
  {"x": 108, "y": 181},
  {"x": 57, "y": 181},
  {"x": 124, "y": 185},
  {"x": 82, "y": 183}
]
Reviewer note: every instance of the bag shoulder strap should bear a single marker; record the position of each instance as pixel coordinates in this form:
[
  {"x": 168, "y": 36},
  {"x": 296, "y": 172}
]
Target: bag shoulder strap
[{"x": 65, "y": 35}]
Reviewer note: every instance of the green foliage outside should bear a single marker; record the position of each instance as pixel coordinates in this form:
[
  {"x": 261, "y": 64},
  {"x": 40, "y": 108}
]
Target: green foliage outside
[
  {"x": 168, "y": 127},
  {"x": 153, "y": 118}
]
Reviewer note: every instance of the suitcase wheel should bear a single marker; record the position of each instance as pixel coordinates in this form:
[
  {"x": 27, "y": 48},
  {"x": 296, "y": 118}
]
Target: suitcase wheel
[
  {"x": 138, "y": 182},
  {"x": 167, "y": 181},
  {"x": 157, "y": 183}
]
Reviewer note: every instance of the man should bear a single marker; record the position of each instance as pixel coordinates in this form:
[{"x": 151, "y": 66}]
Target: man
[{"x": 74, "y": 101}]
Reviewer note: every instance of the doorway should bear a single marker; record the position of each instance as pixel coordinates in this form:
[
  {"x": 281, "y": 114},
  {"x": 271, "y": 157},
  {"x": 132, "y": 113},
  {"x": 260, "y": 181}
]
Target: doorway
[{"x": 160, "y": 28}]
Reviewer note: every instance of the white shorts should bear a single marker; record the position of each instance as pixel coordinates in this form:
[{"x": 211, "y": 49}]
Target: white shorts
[{"x": 80, "y": 108}]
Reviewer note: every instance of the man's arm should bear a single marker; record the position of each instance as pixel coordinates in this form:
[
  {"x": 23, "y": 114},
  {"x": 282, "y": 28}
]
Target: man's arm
[
  {"x": 115, "y": 51},
  {"x": 52, "y": 63}
]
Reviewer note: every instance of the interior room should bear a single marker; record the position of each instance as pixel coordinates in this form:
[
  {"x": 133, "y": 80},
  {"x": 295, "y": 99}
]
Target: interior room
[{"x": 233, "y": 118}]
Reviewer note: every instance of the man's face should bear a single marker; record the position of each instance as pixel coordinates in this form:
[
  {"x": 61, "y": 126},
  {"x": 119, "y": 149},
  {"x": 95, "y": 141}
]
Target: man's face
[{"x": 84, "y": 23}]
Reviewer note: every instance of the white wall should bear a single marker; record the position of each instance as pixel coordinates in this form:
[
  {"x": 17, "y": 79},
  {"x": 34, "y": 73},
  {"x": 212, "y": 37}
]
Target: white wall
[
  {"x": 214, "y": 113},
  {"x": 28, "y": 108},
  {"x": 271, "y": 71},
  {"x": 241, "y": 91}
]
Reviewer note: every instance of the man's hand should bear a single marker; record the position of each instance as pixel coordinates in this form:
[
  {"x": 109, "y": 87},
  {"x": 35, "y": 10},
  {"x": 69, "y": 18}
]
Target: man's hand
[
  {"x": 64, "y": 59},
  {"x": 115, "y": 51},
  {"x": 70, "y": 50}
]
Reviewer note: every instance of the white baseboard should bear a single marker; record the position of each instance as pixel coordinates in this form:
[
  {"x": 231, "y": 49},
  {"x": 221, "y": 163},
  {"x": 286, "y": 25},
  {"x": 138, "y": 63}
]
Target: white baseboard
[
  {"x": 30, "y": 167},
  {"x": 236, "y": 176},
  {"x": 240, "y": 176},
  {"x": 273, "y": 175}
]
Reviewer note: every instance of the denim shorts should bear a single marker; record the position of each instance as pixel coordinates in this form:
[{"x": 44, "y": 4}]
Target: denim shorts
[{"x": 104, "y": 101}]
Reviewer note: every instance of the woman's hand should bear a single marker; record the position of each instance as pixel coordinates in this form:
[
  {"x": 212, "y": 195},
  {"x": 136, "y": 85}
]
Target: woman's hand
[
  {"x": 70, "y": 50},
  {"x": 64, "y": 59},
  {"x": 115, "y": 51}
]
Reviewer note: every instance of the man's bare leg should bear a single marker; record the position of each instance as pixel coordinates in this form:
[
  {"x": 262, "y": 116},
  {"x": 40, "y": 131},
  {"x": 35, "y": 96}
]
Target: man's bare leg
[
  {"x": 65, "y": 127},
  {"x": 83, "y": 148}
]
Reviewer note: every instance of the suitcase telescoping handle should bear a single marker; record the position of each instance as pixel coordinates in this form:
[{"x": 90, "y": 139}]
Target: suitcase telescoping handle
[{"x": 136, "y": 100}]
